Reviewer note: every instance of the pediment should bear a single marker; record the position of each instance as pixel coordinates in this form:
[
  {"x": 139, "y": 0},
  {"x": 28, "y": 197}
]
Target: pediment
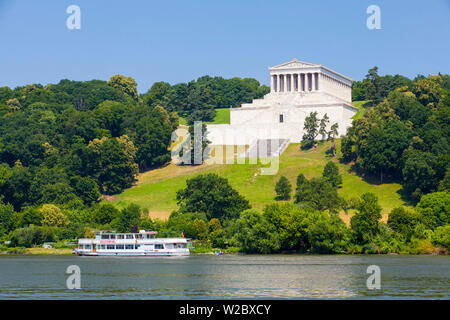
[{"x": 293, "y": 64}]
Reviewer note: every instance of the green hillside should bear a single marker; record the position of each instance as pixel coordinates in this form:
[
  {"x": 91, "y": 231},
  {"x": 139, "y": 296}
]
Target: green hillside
[
  {"x": 222, "y": 117},
  {"x": 156, "y": 189}
]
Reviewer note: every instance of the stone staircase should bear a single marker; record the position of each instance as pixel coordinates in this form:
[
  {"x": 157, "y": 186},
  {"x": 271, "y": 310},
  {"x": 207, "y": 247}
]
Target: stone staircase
[{"x": 261, "y": 148}]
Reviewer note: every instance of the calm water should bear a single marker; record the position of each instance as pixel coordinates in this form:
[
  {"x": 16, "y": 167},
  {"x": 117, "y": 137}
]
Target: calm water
[{"x": 225, "y": 277}]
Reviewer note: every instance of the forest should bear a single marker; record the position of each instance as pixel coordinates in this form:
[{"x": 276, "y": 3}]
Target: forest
[{"x": 64, "y": 147}]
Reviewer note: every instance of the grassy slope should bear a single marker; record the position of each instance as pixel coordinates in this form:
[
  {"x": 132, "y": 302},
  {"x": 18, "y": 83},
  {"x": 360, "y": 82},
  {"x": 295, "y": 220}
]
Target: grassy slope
[
  {"x": 362, "y": 105},
  {"x": 156, "y": 189}
]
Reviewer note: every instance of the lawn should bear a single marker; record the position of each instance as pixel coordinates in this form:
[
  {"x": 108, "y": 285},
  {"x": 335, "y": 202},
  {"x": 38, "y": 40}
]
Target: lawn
[
  {"x": 362, "y": 105},
  {"x": 156, "y": 190},
  {"x": 222, "y": 117}
]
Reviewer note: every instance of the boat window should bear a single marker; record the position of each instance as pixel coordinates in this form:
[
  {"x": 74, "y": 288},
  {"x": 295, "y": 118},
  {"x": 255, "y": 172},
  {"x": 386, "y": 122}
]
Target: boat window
[
  {"x": 120, "y": 236},
  {"x": 110, "y": 246},
  {"x": 81, "y": 246},
  {"x": 136, "y": 246},
  {"x": 119, "y": 246},
  {"x": 130, "y": 236},
  {"x": 112, "y": 236},
  {"x": 139, "y": 236},
  {"x": 149, "y": 236},
  {"x": 105, "y": 236},
  {"x": 87, "y": 246},
  {"x": 159, "y": 246},
  {"x": 129, "y": 246},
  {"x": 101, "y": 246}
]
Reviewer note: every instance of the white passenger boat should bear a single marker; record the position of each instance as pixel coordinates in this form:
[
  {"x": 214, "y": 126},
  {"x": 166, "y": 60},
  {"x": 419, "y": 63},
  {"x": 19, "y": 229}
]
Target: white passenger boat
[{"x": 142, "y": 244}]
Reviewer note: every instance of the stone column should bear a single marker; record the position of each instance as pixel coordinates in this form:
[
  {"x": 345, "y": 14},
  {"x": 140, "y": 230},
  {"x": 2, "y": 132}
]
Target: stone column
[
  {"x": 300, "y": 82},
  {"x": 278, "y": 83},
  {"x": 292, "y": 83},
  {"x": 271, "y": 83}
]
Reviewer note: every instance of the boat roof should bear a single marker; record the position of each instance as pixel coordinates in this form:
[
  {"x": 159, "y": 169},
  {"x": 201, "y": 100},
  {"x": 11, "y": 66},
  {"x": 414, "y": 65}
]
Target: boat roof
[{"x": 114, "y": 232}]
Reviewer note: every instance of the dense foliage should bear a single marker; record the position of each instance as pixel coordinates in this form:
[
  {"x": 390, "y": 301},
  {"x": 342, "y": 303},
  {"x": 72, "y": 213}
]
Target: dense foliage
[
  {"x": 405, "y": 136},
  {"x": 62, "y": 146},
  {"x": 197, "y": 100}
]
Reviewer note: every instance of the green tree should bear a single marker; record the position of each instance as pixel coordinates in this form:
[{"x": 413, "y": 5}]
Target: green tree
[
  {"x": 52, "y": 216},
  {"x": 283, "y": 188},
  {"x": 311, "y": 129},
  {"x": 125, "y": 84},
  {"x": 105, "y": 213},
  {"x": 318, "y": 194},
  {"x": 127, "y": 219},
  {"x": 441, "y": 236},
  {"x": 365, "y": 221},
  {"x": 212, "y": 195},
  {"x": 434, "y": 209},
  {"x": 255, "y": 234},
  {"x": 403, "y": 221},
  {"x": 201, "y": 229},
  {"x": 6, "y": 218},
  {"x": 300, "y": 180},
  {"x": 331, "y": 174}
]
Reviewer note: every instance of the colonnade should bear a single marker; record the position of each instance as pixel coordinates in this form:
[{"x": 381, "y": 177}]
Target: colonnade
[{"x": 294, "y": 82}]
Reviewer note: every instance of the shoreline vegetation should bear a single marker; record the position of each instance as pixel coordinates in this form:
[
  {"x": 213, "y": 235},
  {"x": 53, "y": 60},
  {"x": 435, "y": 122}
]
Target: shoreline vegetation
[{"x": 382, "y": 188}]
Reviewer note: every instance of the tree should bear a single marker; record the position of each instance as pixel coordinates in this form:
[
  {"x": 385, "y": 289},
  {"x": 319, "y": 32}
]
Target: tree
[
  {"x": 127, "y": 219},
  {"x": 420, "y": 173},
  {"x": 332, "y": 134},
  {"x": 323, "y": 125},
  {"x": 86, "y": 189},
  {"x": 283, "y": 188},
  {"x": 365, "y": 221},
  {"x": 52, "y": 216},
  {"x": 318, "y": 194},
  {"x": 105, "y": 213},
  {"x": 125, "y": 84},
  {"x": 6, "y": 218},
  {"x": 13, "y": 104},
  {"x": 331, "y": 174},
  {"x": 311, "y": 128},
  {"x": 434, "y": 209},
  {"x": 383, "y": 150},
  {"x": 255, "y": 234},
  {"x": 111, "y": 161},
  {"x": 403, "y": 221},
  {"x": 300, "y": 180},
  {"x": 373, "y": 86},
  {"x": 201, "y": 229},
  {"x": 441, "y": 236},
  {"x": 212, "y": 195}
]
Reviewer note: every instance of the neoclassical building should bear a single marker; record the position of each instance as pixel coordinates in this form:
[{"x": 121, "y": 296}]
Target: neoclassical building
[{"x": 297, "y": 88}]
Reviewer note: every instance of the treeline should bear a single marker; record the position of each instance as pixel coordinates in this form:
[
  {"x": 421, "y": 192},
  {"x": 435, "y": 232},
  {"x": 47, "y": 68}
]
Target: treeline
[
  {"x": 405, "y": 137},
  {"x": 73, "y": 141},
  {"x": 212, "y": 211},
  {"x": 197, "y": 100},
  {"x": 375, "y": 87}
]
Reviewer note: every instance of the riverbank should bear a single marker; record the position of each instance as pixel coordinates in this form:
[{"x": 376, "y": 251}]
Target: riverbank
[{"x": 37, "y": 251}]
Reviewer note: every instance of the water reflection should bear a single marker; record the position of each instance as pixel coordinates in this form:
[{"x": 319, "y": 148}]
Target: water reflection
[{"x": 225, "y": 277}]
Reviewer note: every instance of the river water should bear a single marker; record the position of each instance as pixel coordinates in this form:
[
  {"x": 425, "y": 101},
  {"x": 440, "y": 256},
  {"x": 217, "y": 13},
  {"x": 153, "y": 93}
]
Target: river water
[{"x": 226, "y": 277}]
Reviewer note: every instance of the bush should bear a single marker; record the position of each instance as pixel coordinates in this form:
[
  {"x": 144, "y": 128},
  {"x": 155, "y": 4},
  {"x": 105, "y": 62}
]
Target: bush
[
  {"x": 30, "y": 236},
  {"x": 441, "y": 237}
]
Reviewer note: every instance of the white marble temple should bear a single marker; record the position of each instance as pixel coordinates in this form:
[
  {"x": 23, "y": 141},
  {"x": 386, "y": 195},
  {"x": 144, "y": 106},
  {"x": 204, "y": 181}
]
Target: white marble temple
[{"x": 297, "y": 89}]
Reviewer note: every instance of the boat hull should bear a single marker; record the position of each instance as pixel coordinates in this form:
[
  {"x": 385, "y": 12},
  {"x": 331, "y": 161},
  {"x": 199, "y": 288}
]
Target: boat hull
[{"x": 137, "y": 255}]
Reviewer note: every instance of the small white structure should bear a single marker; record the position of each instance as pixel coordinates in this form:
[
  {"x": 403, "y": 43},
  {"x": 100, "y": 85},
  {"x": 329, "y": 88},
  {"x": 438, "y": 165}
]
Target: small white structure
[{"x": 297, "y": 88}]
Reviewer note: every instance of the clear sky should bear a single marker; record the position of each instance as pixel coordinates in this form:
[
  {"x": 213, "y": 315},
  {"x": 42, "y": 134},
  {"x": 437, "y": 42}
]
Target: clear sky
[{"x": 177, "y": 41}]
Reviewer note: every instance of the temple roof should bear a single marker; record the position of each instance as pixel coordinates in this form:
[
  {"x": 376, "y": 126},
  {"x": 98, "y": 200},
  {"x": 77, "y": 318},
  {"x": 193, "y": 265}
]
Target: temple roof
[
  {"x": 294, "y": 63},
  {"x": 297, "y": 64}
]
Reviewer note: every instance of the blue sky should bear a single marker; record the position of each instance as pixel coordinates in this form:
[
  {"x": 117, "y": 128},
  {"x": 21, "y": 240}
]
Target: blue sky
[{"x": 177, "y": 41}]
